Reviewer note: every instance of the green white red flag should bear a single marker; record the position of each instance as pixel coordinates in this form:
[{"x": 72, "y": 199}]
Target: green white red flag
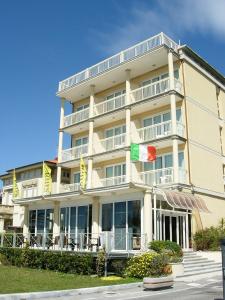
[{"x": 145, "y": 153}]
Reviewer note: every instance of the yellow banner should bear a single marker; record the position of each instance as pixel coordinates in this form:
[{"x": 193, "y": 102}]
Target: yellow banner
[
  {"x": 83, "y": 174},
  {"x": 47, "y": 179},
  {"x": 15, "y": 186}
]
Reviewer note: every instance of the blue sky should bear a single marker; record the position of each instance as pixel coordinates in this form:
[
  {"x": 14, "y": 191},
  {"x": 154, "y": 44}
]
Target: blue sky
[{"x": 45, "y": 41}]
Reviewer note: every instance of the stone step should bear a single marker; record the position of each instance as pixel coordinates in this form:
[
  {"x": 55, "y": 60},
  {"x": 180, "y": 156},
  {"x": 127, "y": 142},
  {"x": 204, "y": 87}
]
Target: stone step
[
  {"x": 198, "y": 272},
  {"x": 195, "y": 260},
  {"x": 199, "y": 262},
  {"x": 202, "y": 267}
]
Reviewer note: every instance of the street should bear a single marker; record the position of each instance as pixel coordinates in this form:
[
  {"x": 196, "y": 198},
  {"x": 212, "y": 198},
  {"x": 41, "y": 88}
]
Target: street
[{"x": 203, "y": 289}]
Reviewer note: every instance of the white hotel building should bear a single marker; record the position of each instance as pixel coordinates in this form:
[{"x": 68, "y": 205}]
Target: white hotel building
[{"x": 156, "y": 93}]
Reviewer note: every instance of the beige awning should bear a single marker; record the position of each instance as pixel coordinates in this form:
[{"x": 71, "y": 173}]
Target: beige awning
[{"x": 183, "y": 200}]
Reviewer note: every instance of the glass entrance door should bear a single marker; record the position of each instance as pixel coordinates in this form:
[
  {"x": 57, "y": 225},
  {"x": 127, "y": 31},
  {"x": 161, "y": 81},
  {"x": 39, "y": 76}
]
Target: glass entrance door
[{"x": 174, "y": 227}]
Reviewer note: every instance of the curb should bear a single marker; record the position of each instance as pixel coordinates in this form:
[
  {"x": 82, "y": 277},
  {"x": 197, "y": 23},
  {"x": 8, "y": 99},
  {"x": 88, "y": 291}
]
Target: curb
[{"x": 74, "y": 292}]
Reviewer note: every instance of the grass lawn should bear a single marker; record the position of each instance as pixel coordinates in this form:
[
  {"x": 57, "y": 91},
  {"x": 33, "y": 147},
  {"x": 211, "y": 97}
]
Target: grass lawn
[{"x": 16, "y": 280}]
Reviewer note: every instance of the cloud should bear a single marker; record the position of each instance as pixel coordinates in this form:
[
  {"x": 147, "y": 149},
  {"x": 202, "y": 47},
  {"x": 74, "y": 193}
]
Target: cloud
[{"x": 174, "y": 17}]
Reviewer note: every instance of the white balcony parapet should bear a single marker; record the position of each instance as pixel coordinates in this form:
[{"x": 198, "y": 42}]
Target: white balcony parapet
[
  {"x": 109, "y": 105},
  {"x": 114, "y": 61},
  {"x": 161, "y": 176},
  {"x": 76, "y": 117},
  {"x": 111, "y": 181},
  {"x": 156, "y": 131},
  {"x": 72, "y": 187},
  {"x": 74, "y": 153},
  {"x": 114, "y": 142},
  {"x": 153, "y": 89}
]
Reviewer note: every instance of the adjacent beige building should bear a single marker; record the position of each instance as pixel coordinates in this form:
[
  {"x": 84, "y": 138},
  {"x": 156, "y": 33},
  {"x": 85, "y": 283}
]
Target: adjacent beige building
[{"x": 156, "y": 93}]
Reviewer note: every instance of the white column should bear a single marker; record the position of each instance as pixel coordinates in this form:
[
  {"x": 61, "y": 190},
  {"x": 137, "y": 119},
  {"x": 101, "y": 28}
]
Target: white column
[
  {"x": 90, "y": 138},
  {"x": 95, "y": 218},
  {"x": 26, "y": 221},
  {"x": 1, "y": 224},
  {"x": 148, "y": 216},
  {"x": 128, "y": 122},
  {"x": 60, "y": 145},
  {"x": 56, "y": 219},
  {"x": 173, "y": 118}
]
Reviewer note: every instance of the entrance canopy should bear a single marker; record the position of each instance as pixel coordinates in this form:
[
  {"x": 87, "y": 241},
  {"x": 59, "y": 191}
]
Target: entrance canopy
[{"x": 183, "y": 200}]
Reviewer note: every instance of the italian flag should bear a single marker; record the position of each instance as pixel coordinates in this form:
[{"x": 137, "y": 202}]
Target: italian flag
[{"x": 143, "y": 153}]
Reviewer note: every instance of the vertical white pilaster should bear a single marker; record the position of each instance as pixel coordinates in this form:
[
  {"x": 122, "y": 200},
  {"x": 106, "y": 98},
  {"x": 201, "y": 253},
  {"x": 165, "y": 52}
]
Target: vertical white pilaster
[
  {"x": 95, "y": 218},
  {"x": 173, "y": 118},
  {"x": 90, "y": 138},
  {"x": 56, "y": 220},
  {"x": 148, "y": 216},
  {"x": 60, "y": 145},
  {"x": 26, "y": 221},
  {"x": 128, "y": 124}
]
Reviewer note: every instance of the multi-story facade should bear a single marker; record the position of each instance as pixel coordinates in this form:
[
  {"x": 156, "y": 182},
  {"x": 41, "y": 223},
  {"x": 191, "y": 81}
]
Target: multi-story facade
[{"x": 155, "y": 93}]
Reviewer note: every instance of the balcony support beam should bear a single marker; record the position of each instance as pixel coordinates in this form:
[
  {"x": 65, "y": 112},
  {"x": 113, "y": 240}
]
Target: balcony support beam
[
  {"x": 60, "y": 144},
  {"x": 148, "y": 216}
]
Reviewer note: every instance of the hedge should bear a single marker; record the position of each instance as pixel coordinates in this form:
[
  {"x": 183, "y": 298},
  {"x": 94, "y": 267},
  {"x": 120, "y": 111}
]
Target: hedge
[{"x": 67, "y": 262}]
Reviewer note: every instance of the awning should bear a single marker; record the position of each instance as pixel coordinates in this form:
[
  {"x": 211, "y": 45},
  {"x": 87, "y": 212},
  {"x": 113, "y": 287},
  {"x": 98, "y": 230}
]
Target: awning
[{"x": 183, "y": 200}]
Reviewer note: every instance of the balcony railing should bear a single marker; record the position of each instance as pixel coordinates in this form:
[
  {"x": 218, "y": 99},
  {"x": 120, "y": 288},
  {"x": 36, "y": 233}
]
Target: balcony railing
[
  {"x": 153, "y": 89},
  {"x": 111, "y": 241},
  {"x": 72, "y": 187},
  {"x": 109, "y": 105},
  {"x": 156, "y": 131},
  {"x": 112, "y": 62},
  {"x": 74, "y": 153},
  {"x": 76, "y": 117},
  {"x": 161, "y": 176},
  {"x": 114, "y": 142},
  {"x": 111, "y": 181},
  {"x": 6, "y": 209}
]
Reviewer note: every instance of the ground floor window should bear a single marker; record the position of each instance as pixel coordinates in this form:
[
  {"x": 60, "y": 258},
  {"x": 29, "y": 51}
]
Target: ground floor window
[
  {"x": 75, "y": 224},
  {"x": 41, "y": 221},
  {"x": 122, "y": 222}
]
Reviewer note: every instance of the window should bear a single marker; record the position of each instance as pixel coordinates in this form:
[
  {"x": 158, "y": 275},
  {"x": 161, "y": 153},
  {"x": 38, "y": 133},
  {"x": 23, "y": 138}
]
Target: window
[
  {"x": 81, "y": 141},
  {"x": 115, "y": 131},
  {"x": 76, "y": 177},
  {"x": 107, "y": 215},
  {"x": 160, "y": 77},
  {"x": 41, "y": 221},
  {"x": 116, "y": 94},
  {"x": 116, "y": 170},
  {"x": 82, "y": 107},
  {"x": 164, "y": 161},
  {"x": 163, "y": 117}
]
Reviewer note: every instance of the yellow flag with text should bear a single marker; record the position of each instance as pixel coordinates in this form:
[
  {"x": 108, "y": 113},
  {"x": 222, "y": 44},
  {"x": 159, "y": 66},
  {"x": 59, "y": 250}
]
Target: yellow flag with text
[
  {"x": 47, "y": 178},
  {"x": 83, "y": 174},
  {"x": 15, "y": 186}
]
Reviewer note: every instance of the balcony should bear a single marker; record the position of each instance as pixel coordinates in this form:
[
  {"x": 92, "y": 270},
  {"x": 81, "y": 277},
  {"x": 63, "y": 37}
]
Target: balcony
[
  {"x": 124, "y": 56},
  {"x": 112, "y": 181},
  {"x": 74, "y": 153},
  {"x": 154, "y": 89},
  {"x": 76, "y": 117},
  {"x": 160, "y": 130},
  {"x": 67, "y": 188},
  {"x": 6, "y": 209},
  {"x": 114, "y": 142},
  {"x": 109, "y": 105},
  {"x": 162, "y": 176}
]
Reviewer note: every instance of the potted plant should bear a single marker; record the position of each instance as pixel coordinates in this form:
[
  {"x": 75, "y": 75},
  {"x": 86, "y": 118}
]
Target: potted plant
[{"x": 153, "y": 268}]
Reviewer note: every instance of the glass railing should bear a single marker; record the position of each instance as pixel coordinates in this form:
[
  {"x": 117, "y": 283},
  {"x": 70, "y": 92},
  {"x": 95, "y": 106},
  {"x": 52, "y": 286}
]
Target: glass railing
[
  {"x": 114, "y": 142},
  {"x": 74, "y": 153},
  {"x": 111, "y": 181},
  {"x": 114, "y": 61},
  {"x": 76, "y": 117},
  {"x": 109, "y": 105},
  {"x": 161, "y": 176}
]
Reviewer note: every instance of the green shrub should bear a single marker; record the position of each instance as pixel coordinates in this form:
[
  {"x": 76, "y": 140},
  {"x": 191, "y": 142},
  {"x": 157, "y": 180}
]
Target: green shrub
[
  {"x": 171, "y": 248},
  {"x": 209, "y": 238},
  {"x": 66, "y": 262},
  {"x": 100, "y": 262},
  {"x": 148, "y": 265},
  {"x": 118, "y": 266}
]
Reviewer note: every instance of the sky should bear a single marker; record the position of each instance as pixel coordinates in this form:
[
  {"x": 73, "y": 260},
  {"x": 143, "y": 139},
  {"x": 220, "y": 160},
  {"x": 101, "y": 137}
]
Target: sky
[{"x": 45, "y": 41}]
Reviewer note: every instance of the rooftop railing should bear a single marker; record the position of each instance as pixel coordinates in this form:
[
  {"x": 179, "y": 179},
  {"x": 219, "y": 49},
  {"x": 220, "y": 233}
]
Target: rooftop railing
[{"x": 112, "y": 62}]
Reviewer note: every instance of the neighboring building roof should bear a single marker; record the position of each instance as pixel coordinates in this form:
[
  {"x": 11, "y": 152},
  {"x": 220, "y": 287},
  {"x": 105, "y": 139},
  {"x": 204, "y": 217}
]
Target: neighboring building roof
[{"x": 52, "y": 162}]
